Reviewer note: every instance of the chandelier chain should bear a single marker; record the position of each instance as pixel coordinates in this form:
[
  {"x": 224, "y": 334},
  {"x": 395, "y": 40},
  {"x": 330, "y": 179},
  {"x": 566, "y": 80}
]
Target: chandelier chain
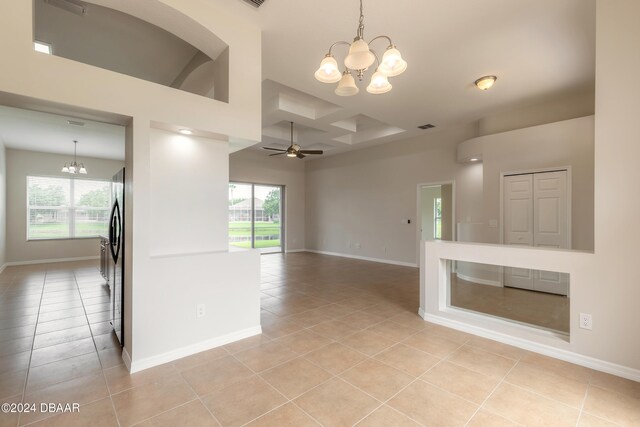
[{"x": 361, "y": 23}]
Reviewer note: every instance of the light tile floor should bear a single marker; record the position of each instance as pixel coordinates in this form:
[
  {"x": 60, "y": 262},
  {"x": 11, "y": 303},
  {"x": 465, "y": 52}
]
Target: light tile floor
[
  {"x": 549, "y": 311},
  {"x": 341, "y": 346}
]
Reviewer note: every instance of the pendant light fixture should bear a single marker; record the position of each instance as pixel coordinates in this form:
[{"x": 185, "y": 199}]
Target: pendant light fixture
[
  {"x": 75, "y": 167},
  {"x": 359, "y": 59}
]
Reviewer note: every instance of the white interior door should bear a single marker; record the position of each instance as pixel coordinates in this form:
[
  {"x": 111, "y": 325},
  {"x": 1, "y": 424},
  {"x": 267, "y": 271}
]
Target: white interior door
[
  {"x": 536, "y": 214},
  {"x": 518, "y": 224},
  {"x": 551, "y": 225}
]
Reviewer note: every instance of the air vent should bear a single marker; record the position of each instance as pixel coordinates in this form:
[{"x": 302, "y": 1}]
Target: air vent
[
  {"x": 255, "y": 3},
  {"x": 427, "y": 126},
  {"x": 74, "y": 6},
  {"x": 75, "y": 123}
]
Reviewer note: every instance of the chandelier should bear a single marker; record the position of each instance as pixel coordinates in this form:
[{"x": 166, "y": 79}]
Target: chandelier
[
  {"x": 74, "y": 167},
  {"x": 358, "y": 60}
]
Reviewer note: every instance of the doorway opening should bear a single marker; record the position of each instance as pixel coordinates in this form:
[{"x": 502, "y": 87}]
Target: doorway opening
[
  {"x": 256, "y": 216},
  {"x": 436, "y": 211}
]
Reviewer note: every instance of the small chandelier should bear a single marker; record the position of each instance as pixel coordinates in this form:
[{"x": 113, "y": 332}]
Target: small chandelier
[
  {"x": 74, "y": 167},
  {"x": 359, "y": 59}
]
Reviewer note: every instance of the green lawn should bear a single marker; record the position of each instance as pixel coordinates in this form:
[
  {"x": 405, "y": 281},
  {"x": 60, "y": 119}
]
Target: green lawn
[
  {"x": 262, "y": 229},
  {"x": 83, "y": 229},
  {"x": 259, "y": 244},
  {"x": 243, "y": 229}
]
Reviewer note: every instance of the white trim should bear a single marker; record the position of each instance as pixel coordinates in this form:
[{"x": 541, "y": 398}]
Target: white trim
[
  {"x": 419, "y": 209},
  {"x": 479, "y": 281},
  {"x": 150, "y": 362},
  {"x": 47, "y": 261},
  {"x": 126, "y": 359},
  {"x": 568, "y": 356},
  {"x": 364, "y": 258},
  {"x": 293, "y": 251}
]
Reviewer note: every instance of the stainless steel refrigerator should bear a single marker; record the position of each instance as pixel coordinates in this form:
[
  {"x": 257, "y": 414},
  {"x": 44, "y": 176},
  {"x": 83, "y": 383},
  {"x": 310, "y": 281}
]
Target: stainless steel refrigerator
[{"x": 116, "y": 249}]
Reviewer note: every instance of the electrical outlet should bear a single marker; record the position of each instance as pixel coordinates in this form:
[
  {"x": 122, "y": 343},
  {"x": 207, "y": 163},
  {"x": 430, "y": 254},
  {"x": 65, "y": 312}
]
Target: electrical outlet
[
  {"x": 586, "y": 322},
  {"x": 201, "y": 310},
  {"x": 357, "y": 245}
]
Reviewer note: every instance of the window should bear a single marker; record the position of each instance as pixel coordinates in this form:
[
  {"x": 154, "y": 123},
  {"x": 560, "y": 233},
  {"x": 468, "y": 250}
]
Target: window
[
  {"x": 63, "y": 208},
  {"x": 437, "y": 218}
]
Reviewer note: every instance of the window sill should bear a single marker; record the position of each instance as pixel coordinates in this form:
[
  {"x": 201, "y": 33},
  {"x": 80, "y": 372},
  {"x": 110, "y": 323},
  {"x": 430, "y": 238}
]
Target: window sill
[{"x": 64, "y": 238}]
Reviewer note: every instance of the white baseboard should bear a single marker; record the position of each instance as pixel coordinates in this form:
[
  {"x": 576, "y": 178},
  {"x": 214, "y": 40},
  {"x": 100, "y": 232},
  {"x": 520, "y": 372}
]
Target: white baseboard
[
  {"x": 479, "y": 281},
  {"x": 293, "y": 251},
  {"x": 568, "y": 356},
  {"x": 150, "y": 362},
  {"x": 48, "y": 261},
  {"x": 364, "y": 258},
  {"x": 126, "y": 358}
]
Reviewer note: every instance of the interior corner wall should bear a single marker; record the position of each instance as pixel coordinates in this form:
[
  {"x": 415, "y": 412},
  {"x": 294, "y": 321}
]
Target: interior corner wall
[
  {"x": 564, "y": 107},
  {"x": 559, "y": 144},
  {"x": 358, "y": 203},
  {"x": 3, "y": 205},
  {"x": 155, "y": 285},
  {"x": 20, "y": 164},
  {"x": 257, "y": 167}
]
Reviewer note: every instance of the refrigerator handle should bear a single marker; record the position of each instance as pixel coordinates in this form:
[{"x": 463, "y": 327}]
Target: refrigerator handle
[{"x": 115, "y": 222}]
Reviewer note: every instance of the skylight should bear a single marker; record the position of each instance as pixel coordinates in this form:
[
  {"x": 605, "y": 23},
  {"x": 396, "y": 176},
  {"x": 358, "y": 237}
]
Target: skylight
[{"x": 42, "y": 47}]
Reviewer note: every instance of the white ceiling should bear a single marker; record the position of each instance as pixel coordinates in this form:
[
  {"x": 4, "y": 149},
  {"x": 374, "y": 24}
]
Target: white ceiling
[
  {"x": 51, "y": 133},
  {"x": 539, "y": 49}
]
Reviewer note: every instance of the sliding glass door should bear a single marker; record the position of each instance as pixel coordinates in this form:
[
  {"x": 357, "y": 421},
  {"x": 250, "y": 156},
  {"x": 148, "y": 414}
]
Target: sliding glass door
[{"x": 255, "y": 216}]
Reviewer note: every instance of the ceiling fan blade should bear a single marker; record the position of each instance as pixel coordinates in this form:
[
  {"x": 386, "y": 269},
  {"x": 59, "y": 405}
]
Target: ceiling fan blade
[
  {"x": 278, "y": 154},
  {"x": 300, "y": 155},
  {"x": 273, "y": 149},
  {"x": 311, "y": 151}
]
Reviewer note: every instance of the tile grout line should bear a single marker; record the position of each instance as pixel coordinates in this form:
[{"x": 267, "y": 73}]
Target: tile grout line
[
  {"x": 104, "y": 376},
  {"x": 26, "y": 379},
  {"x": 481, "y": 406}
]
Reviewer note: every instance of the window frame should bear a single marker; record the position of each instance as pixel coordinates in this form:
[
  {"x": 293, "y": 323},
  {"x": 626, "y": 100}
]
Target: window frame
[
  {"x": 71, "y": 208},
  {"x": 437, "y": 219}
]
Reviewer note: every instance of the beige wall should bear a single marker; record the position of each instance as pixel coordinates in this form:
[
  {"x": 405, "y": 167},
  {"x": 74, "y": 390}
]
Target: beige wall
[
  {"x": 21, "y": 164},
  {"x": 611, "y": 292},
  {"x": 365, "y": 197},
  {"x": 447, "y": 211},
  {"x": 563, "y": 107},
  {"x": 362, "y": 197},
  {"x": 31, "y": 78},
  {"x": 257, "y": 167},
  {"x": 3, "y": 206},
  {"x": 565, "y": 143}
]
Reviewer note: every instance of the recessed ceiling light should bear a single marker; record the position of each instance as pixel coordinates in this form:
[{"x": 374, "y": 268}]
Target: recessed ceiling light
[
  {"x": 42, "y": 47},
  {"x": 186, "y": 131},
  {"x": 473, "y": 160},
  {"x": 486, "y": 82}
]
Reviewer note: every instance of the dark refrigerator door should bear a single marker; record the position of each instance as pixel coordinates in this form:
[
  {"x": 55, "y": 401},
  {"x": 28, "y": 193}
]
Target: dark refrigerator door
[{"x": 116, "y": 249}]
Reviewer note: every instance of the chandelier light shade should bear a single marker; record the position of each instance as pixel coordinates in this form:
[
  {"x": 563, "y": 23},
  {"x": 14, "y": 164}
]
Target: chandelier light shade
[
  {"x": 328, "y": 71},
  {"x": 359, "y": 59},
  {"x": 347, "y": 85},
  {"x": 392, "y": 63},
  {"x": 75, "y": 167},
  {"x": 379, "y": 84}
]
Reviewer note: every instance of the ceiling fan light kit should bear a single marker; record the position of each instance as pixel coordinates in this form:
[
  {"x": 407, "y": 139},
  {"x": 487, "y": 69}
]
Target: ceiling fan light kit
[
  {"x": 359, "y": 59},
  {"x": 294, "y": 149}
]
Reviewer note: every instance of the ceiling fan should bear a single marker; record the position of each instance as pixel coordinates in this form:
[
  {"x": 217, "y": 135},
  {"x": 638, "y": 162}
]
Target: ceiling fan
[{"x": 294, "y": 150}]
